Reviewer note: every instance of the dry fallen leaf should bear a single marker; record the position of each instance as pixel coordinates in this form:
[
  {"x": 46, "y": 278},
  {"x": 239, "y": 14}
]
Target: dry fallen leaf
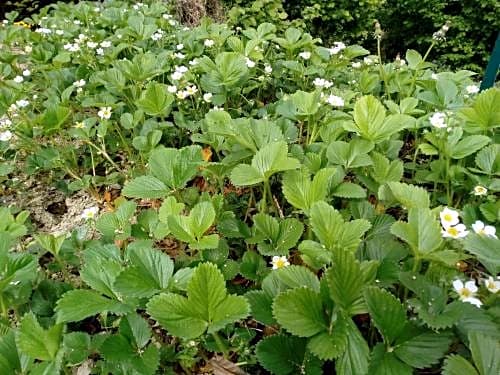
[{"x": 222, "y": 366}]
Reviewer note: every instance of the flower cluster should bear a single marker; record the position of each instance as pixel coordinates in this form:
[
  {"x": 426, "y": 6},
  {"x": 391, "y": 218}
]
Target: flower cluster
[{"x": 452, "y": 228}]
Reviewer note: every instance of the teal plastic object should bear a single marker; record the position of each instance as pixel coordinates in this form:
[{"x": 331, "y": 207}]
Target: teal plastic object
[{"x": 493, "y": 66}]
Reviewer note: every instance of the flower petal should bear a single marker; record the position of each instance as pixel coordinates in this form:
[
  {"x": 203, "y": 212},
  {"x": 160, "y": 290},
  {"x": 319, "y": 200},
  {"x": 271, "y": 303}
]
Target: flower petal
[{"x": 458, "y": 285}]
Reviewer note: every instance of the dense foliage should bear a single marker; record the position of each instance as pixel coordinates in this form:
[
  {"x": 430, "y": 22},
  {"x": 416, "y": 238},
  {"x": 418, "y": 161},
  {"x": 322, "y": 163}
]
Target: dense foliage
[
  {"x": 278, "y": 205},
  {"x": 409, "y": 24}
]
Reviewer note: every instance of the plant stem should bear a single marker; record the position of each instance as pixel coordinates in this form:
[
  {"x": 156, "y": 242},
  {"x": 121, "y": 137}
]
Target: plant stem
[
  {"x": 5, "y": 312},
  {"x": 220, "y": 344}
]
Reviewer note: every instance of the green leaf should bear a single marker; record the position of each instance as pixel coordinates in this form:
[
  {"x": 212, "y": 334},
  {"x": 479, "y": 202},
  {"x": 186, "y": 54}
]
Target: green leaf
[
  {"x": 333, "y": 232},
  {"x": 71, "y": 309},
  {"x": 77, "y": 347},
  {"x": 9, "y": 356},
  {"x": 485, "y": 352},
  {"x": 345, "y": 281},
  {"x": 260, "y": 305},
  {"x": 300, "y": 312},
  {"x": 207, "y": 306},
  {"x": 228, "y": 72},
  {"x": 423, "y": 350},
  {"x": 156, "y": 100},
  {"x": 350, "y": 155},
  {"x": 275, "y": 237},
  {"x": 485, "y": 248},
  {"x": 50, "y": 242},
  {"x": 488, "y": 159},
  {"x": 329, "y": 346},
  {"x": 387, "y": 313},
  {"x": 386, "y": 363},
  {"x": 301, "y": 192},
  {"x": 245, "y": 175},
  {"x": 354, "y": 360},
  {"x": 422, "y": 232},
  {"x": 484, "y": 115},
  {"x": 149, "y": 273},
  {"x": 458, "y": 365},
  {"x": 283, "y": 355},
  {"x": 136, "y": 329},
  {"x": 469, "y": 145},
  {"x": 407, "y": 195},
  {"x": 37, "y": 342},
  {"x": 349, "y": 190},
  {"x": 297, "y": 276},
  {"x": 116, "y": 348},
  {"x": 384, "y": 170},
  {"x": 147, "y": 187},
  {"x": 202, "y": 217}
]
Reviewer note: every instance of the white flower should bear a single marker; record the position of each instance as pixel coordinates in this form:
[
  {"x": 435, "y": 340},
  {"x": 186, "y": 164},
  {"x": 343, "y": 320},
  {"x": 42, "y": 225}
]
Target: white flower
[
  {"x": 368, "y": 60},
  {"x": 306, "y": 55},
  {"x": 179, "y": 55},
  {"x": 193, "y": 62},
  {"x": 457, "y": 231},
  {"x": 172, "y": 22},
  {"x": 167, "y": 16},
  {"x": 99, "y": 51},
  {"x": 448, "y": 217},
  {"x": 43, "y": 30},
  {"x": 6, "y": 136},
  {"x": 28, "y": 49},
  {"x": 484, "y": 230},
  {"x": 191, "y": 90},
  {"x": 472, "y": 89},
  {"x": 438, "y": 120},
  {"x": 105, "y": 44},
  {"x": 492, "y": 285},
  {"x": 176, "y": 75},
  {"x": 320, "y": 82},
  {"x": 182, "y": 94},
  {"x": 22, "y": 103},
  {"x": 480, "y": 190},
  {"x": 356, "y": 65},
  {"x": 179, "y": 46},
  {"x": 249, "y": 62},
  {"x": 337, "y": 47},
  {"x": 18, "y": 79},
  {"x": 208, "y": 43},
  {"x": 26, "y": 73},
  {"x": 5, "y": 122},
  {"x": 90, "y": 213},
  {"x": 335, "y": 101},
  {"x": 104, "y": 113},
  {"x": 279, "y": 262},
  {"x": 79, "y": 83},
  {"x": 60, "y": 32},
  {"x": 467, "y": 292},
  {"x": 79, "y": 125},
  {"x": 207, "y": 97},
  {"x": 434, "y": 76},
  {"x": 268, "y": 69},
  {"x": 77, "y": 22},
  {"x": 172, "y": 89},
  {"x": 92, "y": 45},
  {"x": 156, "y": 36}
]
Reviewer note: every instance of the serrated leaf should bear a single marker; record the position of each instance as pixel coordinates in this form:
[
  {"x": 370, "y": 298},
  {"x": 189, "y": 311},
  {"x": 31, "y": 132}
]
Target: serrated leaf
[
  {"x": 485, "y": 352},
  {"x": 354, "y": 360},
  {"x": 386, "y": 363},
  {"x": 202, "y": 217},
  {"x": 458, "y": 365},
  {"x": 353, "y": 154},
  {"x": 407, "y": 195},
  {"x": 333, "y": 232},
  {"x": 156, "y": 100},
  {"x": 284, "y": 355},
  {"x": 469, "y": 145},
  {"x": 345, "y": 281},
  {"x": 488, "y": 159},
  {"x": 327, "y": 346},
  {"x": 147, "y": 187},
  {"x": 422, "y": 231},
  {"x": 261, "y": 306},
  {"x": 423, "y": 350},
  {"x": 245, "y": 175},
  {"x": 485, "y": 248},
  {"x": 387, "y": 313},
  {"x": 71, "y": 309},
  {"x": 275, "y": 237},
  {"x": 349, "y": 190},
  {"x": 297, "y": 276},
  {"x": 207, "y": 306},
  {"x": 301, "y": 192},
  {"x": 300, "y": 312},
  {"x": 37, "y": 342},
  {"x": 116, "y": 348},
  {"x": 484, "y": 115}
]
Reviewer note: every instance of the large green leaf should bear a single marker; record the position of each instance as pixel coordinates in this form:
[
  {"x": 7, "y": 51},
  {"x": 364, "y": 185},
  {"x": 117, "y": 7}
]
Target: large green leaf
[
  {"x": 333, "y": 232},
  {"x": 228, "y": 72},
  {"x": 469, "y": 145},
  {"x": 354, "y": 360},
  {"x": 9, "y": 357},
  {"x": 150, "y": 272},
  {"x": 300, "y": 312},
  {"x": 147, "y": 187},
  {"x": 387, "y": 313},
  {"x": 301, "y": 192},
  {"x": 384, "y": 362},
  {"x": 423, "y": 350},
  {"x": 207, "y": 306},
  {"x": 156, "y": 100},
  {"x": 283, "y": 355},
  {"x": 345, "y": 282},
  {"x": 457, "y": 365},
  {"x": 409, "y": 196},
  {"x": 485, "y": 248},
  {"x": 71, "y": 309},
  {"x": 269, "y": 160},
  {"x": 422, "y": 231},
  {"x": 485, "y": 352},
  {"x": 484, "y": 115},
  {"x": 37, "y": 342},
  {"x": 350, "y": 155}
]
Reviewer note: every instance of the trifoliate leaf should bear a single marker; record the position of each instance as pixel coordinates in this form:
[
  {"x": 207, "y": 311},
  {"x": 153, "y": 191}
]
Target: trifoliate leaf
[
  {"x": 485, "y": 352},
  {"x": 423, "y": 350},
  {"x": 458, "y": 365},
  {"x": 37, "y": 342}
]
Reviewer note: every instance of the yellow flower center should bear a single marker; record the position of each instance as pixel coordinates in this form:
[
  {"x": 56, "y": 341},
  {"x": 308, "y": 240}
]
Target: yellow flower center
[
  {"x": 465, "y": 293},
  {"x": 490, "y": 285},
  {"x": 453, "y": 231},
  {"x": 280, "y": 263},
  {"x": 447, "y": 217}
]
